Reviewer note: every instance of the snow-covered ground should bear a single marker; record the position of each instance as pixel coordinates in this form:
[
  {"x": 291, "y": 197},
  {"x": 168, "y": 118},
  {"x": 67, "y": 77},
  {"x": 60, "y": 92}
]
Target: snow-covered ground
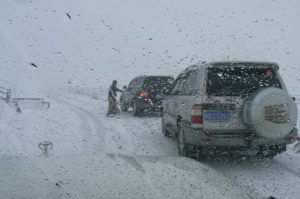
[{"x": 71, "y": 60}]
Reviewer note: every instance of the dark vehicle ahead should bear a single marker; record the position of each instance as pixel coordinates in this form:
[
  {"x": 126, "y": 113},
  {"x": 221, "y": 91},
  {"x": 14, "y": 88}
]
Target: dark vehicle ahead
[{"x": 145, "y": 93}]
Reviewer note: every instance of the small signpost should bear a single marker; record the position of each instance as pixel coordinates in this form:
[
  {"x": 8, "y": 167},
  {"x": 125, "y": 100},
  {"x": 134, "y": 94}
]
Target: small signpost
[{"x": 45, "y": 146}]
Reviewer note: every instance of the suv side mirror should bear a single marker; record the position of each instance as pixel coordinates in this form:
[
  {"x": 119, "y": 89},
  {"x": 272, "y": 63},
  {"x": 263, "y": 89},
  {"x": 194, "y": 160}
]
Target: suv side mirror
[
  {"x": 294, "y": 98},
  {"x": 124, "y": 87}
]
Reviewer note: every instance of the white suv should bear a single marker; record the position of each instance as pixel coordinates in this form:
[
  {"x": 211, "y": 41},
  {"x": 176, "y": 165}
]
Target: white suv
[{"x": 230, "y": 106}]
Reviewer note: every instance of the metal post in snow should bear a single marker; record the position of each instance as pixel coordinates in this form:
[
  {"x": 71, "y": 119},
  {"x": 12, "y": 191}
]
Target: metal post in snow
[
  {"x": 18, "y": 108},
  {"x": 8, "y": 95},
  {"x": 45, "y": 146}
]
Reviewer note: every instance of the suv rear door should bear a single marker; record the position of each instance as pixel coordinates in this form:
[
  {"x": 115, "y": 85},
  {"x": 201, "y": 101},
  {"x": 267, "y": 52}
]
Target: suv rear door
[
  {"x": 180, "y": 101},
  {"x": 132, "y": 90},
  {"x": 157, "y": 87},
  {"x": 227, "y": 89}
]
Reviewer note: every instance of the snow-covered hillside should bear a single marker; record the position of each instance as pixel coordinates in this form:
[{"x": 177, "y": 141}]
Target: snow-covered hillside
[
  {"x": 119, "y": 40},
  {"x": 68, "y": 52}
]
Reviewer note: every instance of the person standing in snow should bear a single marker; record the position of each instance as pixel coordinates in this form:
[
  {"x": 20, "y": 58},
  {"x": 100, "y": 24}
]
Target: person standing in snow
[{"x": 112, "y": 99}]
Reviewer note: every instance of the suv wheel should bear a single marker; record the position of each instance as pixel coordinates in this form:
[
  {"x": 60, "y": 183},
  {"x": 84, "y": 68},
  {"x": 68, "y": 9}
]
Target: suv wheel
[
  {"x": 182, "y": 146},
  {"x": 271, "y": 152},
  {"x": 164, "y": 128}
]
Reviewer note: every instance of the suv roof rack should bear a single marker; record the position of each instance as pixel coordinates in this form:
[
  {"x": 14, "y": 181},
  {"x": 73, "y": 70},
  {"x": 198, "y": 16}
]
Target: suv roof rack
[{"x": 257, "y": 64}]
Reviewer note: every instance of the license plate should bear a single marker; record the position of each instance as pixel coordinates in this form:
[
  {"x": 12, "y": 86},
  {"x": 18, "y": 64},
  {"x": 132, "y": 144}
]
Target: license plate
[{"x": 217, "y": 115}]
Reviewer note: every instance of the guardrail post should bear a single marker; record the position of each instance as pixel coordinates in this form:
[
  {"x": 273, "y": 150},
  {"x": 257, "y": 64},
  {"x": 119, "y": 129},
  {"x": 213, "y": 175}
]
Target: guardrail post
[
  {"x": 18, "y": 108},
  {"x": 8, "y": 95}
]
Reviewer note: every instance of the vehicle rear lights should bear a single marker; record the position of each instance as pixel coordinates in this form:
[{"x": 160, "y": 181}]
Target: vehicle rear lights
[
  {"x": 144, "y": 95},
  {"x": 197, "y": 117},
  {"x": 207, "y": 140}
]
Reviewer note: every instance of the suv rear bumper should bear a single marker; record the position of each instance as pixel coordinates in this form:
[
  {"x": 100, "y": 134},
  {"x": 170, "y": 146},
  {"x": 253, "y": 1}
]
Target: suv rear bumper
[
  {"x": 147, "y": 104},
  {"x": 201, "y": 138}
]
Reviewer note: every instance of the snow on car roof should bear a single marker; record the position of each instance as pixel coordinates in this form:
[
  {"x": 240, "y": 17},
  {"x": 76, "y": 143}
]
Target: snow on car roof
[{"x": 256, "y": 64}]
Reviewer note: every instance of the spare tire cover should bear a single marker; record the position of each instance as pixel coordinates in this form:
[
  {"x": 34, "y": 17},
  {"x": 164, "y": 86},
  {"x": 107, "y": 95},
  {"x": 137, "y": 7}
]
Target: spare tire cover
[{"x": 271, "y": 112}]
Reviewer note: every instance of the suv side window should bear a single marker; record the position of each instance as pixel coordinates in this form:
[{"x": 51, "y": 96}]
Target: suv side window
[
  {"x": 130, "y": 86},
  {"x": 189, "y": 84},
  {"x": 239, "y": 81},
  {"x": 178, "y": 88},
  {"x": 136, "y": 84}
]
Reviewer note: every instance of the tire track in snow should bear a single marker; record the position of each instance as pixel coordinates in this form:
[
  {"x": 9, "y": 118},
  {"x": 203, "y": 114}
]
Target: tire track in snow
[
  {"x": 109, "y": 134},
  {"x": 266, "y": 176},
  {"x": 126, "y": 134},
  {"x": 91, "y": 130},
  {"x": 287, "y": 162},
  {"x": 119, "y": 140},
  {"x": 148, "y": 139}
]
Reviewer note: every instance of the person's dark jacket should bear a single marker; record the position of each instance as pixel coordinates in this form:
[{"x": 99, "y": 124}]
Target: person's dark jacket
[{"x": 113, "y": 92}]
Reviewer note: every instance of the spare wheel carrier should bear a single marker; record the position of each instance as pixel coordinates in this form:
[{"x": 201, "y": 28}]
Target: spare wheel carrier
[{"x": 271, "y": 112}]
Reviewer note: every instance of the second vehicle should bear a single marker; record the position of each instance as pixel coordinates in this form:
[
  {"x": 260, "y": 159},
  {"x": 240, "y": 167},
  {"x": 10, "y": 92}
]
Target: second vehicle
[{"x": 145, "y": 93}]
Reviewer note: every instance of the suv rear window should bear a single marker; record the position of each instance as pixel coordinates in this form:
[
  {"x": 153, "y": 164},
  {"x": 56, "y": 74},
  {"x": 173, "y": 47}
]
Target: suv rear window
[
  {"x": 158, "y": 84},
  {"x": 239, "y": 81}
]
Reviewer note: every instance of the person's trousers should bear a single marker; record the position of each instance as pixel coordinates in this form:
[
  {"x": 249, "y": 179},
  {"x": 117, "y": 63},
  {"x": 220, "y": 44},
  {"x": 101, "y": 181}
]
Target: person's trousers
[{"x": 112, "y": 106}]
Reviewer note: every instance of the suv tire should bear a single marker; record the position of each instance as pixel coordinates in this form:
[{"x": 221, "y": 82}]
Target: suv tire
[
  {"x": 183, "y": 149},
  {"x": 272, "y": 152},
  {"x": 164, "y": 128}
]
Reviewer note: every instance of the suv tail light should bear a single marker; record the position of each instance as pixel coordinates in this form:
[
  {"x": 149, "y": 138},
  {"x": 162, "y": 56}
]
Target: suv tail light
[
  {"x": 143, "y": 95},
  {"x": 197, "y": 117}
]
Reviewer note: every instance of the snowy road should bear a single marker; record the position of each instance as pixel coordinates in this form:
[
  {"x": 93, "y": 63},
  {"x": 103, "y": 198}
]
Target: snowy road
[
  {"x": 76, "y": 124},
  {"x": 279, "y": 177},
  {"x": 134, "y": 136},
  {"x": 121, "y": 135}
]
